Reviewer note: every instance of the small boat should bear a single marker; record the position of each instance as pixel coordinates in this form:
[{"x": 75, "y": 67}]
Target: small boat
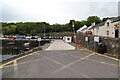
[
  {"x": 26, "y": 44},
  {"x": 11, "y": 43}
]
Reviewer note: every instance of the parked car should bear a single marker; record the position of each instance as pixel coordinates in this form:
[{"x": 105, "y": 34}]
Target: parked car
[
  {"x": 28, "y": 37},
  {"x": 12, "y": 37},
  {"x": 34, "y": 37},
  {"x": 46, "y": 37},
  {"x": 88, "y": 33},
  {"x": 20, "y": 37}
]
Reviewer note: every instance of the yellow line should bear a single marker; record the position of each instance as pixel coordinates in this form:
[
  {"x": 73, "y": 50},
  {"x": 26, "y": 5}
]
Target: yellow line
[
  {"x": 101, "y": 62},
  {"x": 86, "y": 76},
  {"x": 107, "y": 57},
  {"x": 104, "y": 55},
  {"x": 1, "y": 66},
  {"x": 54, "y": 61},
  {"x": 96, "y": 61},
  {"x": 15, "y": 62},
  {"x": 82, "y": 49},
  {"x": 15, "y": 65},
  {"x": 23, "y": 63},
  {"x": 73, "y": 63},
  {"x": 58, "y": 55}
]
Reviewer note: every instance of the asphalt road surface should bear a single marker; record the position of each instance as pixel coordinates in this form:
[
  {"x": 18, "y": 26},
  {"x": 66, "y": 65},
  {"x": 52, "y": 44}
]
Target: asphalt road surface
[{"x": 79, "y": 63}]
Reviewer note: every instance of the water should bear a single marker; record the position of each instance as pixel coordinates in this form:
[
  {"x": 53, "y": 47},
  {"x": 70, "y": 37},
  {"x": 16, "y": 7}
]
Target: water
[
  {"x": 12, "y": 48},
  {"x": 2, "y": 57}
]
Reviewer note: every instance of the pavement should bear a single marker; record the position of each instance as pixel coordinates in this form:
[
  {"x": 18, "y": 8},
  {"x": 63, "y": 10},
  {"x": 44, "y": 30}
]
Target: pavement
[
  {"x": 50, "y": 63},
  {"x": 60, "y": 45}
]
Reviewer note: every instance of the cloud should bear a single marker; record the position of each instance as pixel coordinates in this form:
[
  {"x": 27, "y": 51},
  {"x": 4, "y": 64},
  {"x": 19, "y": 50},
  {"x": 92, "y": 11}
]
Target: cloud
[{"x": 56, "y": 11}]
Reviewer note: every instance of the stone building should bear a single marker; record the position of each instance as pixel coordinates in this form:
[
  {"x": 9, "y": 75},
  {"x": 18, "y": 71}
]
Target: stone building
[{"x": 109, "y": 28}]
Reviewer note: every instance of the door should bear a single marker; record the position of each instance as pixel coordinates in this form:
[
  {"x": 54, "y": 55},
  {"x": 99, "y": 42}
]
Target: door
[{"x": 116, "y": 33}]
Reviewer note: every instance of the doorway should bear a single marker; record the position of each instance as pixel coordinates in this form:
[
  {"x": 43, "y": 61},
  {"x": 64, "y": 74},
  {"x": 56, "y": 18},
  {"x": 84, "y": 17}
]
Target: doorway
[{"x": 116, "y": 33}]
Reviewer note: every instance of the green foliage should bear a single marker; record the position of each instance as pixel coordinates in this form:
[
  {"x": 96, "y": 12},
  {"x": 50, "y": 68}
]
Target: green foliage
[
  {"x": 104, "y": 19},
  {"x": 38, "y": 28},
  {"x": 92, "y": 19},
  {"x": 9, "y": 29}
]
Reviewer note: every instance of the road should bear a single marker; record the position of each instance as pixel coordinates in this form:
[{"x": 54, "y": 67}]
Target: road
[
  {"x": 60, "y": 45},
  {"x": 79, "y": 63}
]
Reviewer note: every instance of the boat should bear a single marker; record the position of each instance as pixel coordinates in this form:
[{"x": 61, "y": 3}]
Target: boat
[
  {"x": 26, "y": 44},
  {"x": 11, "y": 43}
]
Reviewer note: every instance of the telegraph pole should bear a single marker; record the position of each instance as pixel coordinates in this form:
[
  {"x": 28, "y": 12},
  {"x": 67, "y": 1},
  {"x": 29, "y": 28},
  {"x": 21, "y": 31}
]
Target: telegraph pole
[{"x": 74, "y": 36}]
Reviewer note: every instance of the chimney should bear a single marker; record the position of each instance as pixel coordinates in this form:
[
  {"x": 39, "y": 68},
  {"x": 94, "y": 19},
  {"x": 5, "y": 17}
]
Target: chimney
[{"x": 93, "y": 24}]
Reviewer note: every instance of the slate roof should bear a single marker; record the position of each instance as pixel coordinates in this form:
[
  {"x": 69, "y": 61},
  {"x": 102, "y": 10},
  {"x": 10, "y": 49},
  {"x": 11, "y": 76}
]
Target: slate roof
[
  {"x": 115, "y": 19},
  {"x": 102, "y": 23}
]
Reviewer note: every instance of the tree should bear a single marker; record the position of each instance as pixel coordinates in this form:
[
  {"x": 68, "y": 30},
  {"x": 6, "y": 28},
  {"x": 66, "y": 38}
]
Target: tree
[
  {"x": 92, "y": 19},
  {"x": 11, "y": 29},
  {"x": 105, "y": 19},
  {"x": 33, "y": 32},
  {"x": 78, "y": 25},
  {"x": 71, "y": 22}
]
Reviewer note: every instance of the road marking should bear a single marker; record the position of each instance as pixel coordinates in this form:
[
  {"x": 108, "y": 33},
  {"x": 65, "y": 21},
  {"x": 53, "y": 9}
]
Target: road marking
[
  {"x": 96, "y": 61},
  {"x": 101, "y": 62},
  {"x": 82, "y": 49},
  {"x": 37, "y": 53},
  {"x": 2, "y": 66},
  {"x": 23, "y": 63},
  {"x": 86, "y": 76},
  {"x": 54, "y": 61},
  {"x": 107, "y": 57},
  {"x": 104, "y": 55},
  {"x": 15, "y": 65},
  {"x": 66, "y": 66},
  {"x": 26, "y": 61},
  {"x": 15, "y": 62},
  {"x": 58, "y": 55}
]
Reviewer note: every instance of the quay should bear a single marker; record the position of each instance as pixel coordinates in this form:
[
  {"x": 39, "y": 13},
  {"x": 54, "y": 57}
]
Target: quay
[{"x": 60, "y": 60}]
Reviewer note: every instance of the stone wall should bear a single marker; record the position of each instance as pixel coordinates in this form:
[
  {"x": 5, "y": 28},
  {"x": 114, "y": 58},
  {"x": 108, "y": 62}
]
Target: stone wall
[{"x": 112, "y": 44}]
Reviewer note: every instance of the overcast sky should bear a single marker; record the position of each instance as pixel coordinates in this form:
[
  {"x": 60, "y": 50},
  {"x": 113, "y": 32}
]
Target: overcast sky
[{"x": 56, "y": 11}]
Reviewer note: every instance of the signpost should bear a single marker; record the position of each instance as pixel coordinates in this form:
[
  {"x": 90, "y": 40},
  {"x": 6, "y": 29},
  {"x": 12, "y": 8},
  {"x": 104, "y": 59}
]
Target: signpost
[
  {"x": 86, "y": 39},
  {"x": 39, "y": 39},
  {"x": 96, "y": 39},
  {"x": 116, "y": 27}
]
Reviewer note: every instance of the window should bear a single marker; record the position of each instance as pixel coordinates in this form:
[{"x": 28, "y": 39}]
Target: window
[
  {"x": 107, "y": 32},
  {"x": 108, "y": 24}
]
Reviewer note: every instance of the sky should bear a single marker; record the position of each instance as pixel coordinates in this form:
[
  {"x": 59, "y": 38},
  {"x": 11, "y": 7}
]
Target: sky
[{"x": 56, "y": 11}]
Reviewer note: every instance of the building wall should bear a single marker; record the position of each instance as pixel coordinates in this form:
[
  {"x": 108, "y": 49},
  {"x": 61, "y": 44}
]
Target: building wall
[
  {"x": 112, "y": 44},
  {"x": 106, "y": 30}
]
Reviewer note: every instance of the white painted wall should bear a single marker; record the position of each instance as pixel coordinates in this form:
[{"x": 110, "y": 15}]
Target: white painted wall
[{"x": 102, "y": 30}]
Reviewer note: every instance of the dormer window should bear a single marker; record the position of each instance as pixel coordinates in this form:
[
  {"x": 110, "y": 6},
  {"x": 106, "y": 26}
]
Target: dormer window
[{"x": 108, "y": 23}]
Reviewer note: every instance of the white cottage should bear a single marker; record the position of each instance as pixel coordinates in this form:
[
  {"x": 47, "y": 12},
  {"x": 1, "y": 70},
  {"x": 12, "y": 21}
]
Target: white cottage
[
  {"x": 82, "y": 29},
  {"x": 109, "y": 28}
]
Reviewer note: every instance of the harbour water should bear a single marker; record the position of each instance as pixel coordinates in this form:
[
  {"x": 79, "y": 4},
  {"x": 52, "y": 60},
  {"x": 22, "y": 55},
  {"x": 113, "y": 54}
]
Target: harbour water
[{"x": 12, "y": 48}]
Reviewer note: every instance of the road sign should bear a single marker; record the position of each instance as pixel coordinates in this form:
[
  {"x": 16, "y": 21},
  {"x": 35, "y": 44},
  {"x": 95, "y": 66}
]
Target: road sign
[
  {"x": 116, "y": 27},
  {"x": 86, "y": 38},
  {"x": 96, "y": 39}
]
